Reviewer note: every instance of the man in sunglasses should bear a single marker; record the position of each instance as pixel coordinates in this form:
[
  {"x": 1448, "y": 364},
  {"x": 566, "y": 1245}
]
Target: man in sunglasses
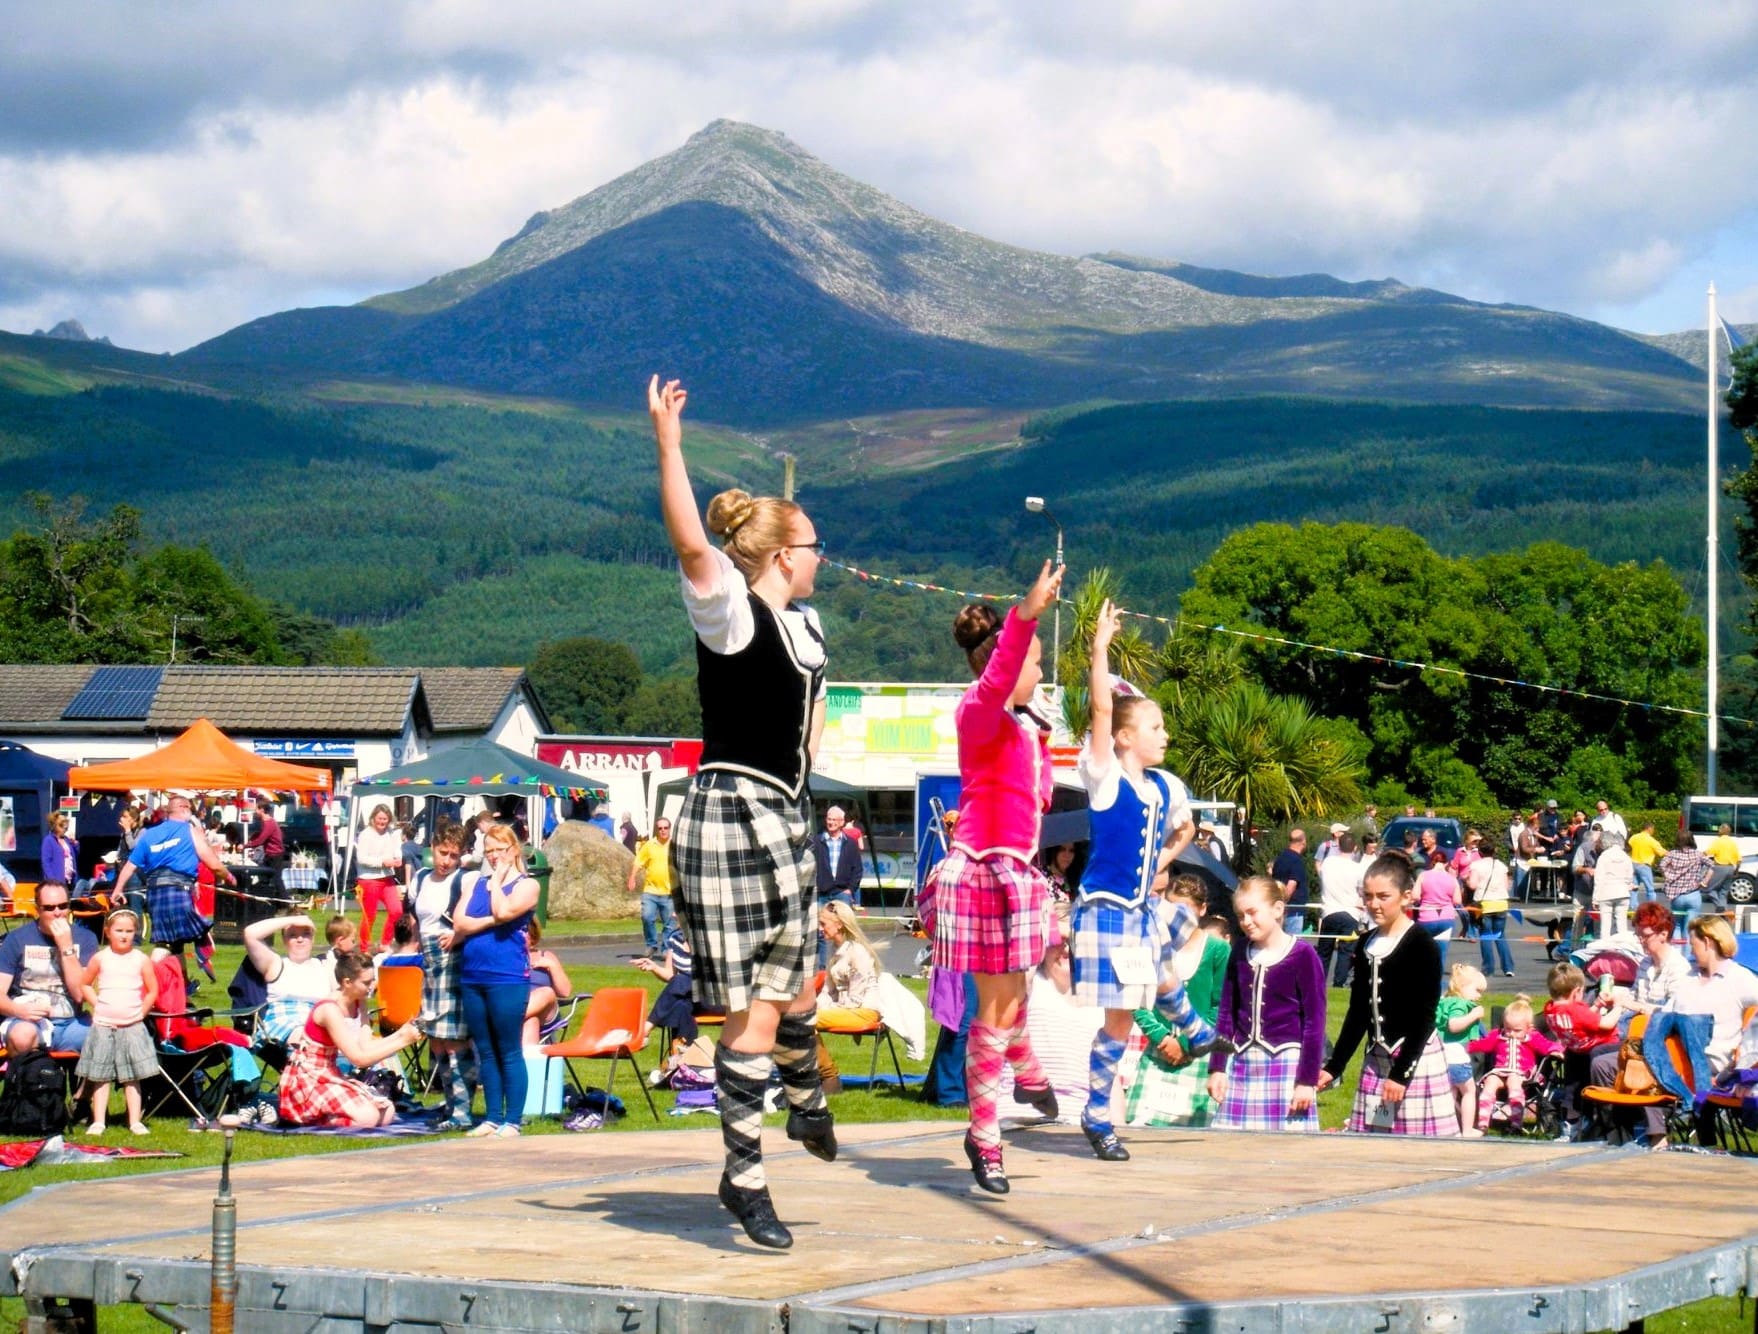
[{"x": 41, "y": 966}]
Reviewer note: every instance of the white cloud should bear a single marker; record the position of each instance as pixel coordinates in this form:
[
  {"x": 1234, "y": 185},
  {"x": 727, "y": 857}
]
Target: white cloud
[{"x": 1577, "y": 157}]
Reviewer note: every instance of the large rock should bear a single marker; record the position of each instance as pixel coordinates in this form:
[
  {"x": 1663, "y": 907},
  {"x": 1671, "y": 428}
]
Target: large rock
[{"x": 590, "y": 878}]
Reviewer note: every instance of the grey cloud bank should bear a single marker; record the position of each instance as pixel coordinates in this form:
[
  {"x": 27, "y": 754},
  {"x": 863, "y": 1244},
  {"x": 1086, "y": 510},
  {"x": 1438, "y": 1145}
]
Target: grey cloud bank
[{"x": 173, "y": 172}]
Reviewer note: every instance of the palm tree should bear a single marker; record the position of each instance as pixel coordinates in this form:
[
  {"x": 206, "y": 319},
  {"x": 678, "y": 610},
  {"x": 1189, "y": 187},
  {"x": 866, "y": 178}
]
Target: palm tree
[
  {"x": 1132, "y": 657},
  {"x": 1266, "y": 753}
]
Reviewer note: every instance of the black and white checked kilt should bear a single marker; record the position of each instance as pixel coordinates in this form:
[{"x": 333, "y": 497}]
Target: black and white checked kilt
[{"x": 742, "y": 858}]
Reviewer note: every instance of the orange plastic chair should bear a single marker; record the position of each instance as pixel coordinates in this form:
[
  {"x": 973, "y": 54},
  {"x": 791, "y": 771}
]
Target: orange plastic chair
[
  {"x": 19, "y": 906},
  {"x": 614, "y": 1029},
  {"x": 1678, "y": 1116},
  {"x": 399, "y": 1003}
]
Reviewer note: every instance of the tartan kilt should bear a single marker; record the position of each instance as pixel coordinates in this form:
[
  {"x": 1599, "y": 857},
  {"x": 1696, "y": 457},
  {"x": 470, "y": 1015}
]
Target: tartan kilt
[
  {"x": 442, "y": 1013},
  {"x": 1259, "y": 1086},
  {"x": 1427, "y": 1108},
  {"x": 1100, "y": 930},
  {"x": 314, "y": 1092},
  {"x": 281, "y": 1017},
  {"x": 991, "y": 915},
  {"x": 171, "y": 906},
  {"x": 747, "y": 889},
  {"x": 1162, "y": 1096}
]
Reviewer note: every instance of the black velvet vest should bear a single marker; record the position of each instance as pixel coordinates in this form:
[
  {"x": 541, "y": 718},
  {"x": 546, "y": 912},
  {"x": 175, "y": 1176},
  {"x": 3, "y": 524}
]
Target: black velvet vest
[{"x": 757, "y": 705}]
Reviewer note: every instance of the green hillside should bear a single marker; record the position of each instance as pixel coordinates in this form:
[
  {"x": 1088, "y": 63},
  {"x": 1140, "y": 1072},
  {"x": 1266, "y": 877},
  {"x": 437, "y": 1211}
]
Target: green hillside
[{"x": 460, "y": 527}]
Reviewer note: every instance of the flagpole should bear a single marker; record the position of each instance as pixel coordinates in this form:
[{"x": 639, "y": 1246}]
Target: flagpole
[{"x": 1714, "y": 608}]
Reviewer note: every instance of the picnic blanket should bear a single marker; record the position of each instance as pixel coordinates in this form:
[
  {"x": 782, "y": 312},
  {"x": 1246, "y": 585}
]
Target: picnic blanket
[{"x": 57, "y": 1152}]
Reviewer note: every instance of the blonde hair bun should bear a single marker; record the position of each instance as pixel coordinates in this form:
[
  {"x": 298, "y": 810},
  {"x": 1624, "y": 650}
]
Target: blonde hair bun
[{"x": 730, "y": 511}]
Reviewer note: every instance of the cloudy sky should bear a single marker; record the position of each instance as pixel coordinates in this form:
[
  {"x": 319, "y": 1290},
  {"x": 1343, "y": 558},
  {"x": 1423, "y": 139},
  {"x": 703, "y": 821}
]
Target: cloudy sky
[{"x": 169, "y": 172}]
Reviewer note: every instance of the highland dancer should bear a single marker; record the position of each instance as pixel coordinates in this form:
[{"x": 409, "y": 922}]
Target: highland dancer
[
  {"x": 741, "y": 847},
  {"x": 988, "y": 903},
  {"x": 1125, "y": 936}
]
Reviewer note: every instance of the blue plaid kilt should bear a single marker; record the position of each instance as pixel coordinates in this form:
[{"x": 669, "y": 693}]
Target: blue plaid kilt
[
  {"x": 442, "y": 1009},
  {"x": 1103, "y": 931},
  {"x": 171, "y": 906},
  {"x": 747, "y": 890},
  {"x": 1259, "y": 1086}
]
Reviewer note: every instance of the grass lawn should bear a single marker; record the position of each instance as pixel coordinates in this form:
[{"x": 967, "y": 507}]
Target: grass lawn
[{"x": 854, "y": 1106}]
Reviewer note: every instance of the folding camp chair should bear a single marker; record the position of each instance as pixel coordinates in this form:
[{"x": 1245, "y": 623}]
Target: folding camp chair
[
  {"x": 207, "y": 1067},
  {"x": 1680, "y": 1123},
  {"x": 399, "y": 1003},
  {"x": 18, "y": 906},
  {"x": 876, "y": 1030},
  {"x": 557, "y": 1028},
  {"x": 615, "y": 1028}
]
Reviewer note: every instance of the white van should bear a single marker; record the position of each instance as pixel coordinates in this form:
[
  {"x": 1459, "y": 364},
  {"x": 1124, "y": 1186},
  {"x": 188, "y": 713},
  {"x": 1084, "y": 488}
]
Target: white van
[{"x": 1704, "y": 816}]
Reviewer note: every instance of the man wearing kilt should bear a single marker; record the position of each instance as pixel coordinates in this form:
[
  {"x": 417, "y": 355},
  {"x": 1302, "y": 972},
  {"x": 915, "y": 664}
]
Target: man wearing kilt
[
  {"x": 741, "y": 848},
  {"x": 169, "y": 856},
  {"x": 436, "y": 894},
  {"x": 1404, "y": 1089},
  {"x": 1124, "y": 936}
]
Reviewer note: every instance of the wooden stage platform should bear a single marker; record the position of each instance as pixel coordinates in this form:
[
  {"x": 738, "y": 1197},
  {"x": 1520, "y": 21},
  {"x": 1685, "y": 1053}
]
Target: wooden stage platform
[{"x": 1201, "y": 1231}]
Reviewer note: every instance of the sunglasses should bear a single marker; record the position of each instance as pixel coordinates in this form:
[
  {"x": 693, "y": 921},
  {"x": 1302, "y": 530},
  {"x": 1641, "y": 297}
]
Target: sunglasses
[{"x": 54, "y": 907}]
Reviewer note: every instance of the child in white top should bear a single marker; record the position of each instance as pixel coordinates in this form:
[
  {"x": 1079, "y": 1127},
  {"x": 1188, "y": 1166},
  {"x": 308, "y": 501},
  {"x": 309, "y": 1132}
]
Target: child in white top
[{"x": 120, "y": 986}]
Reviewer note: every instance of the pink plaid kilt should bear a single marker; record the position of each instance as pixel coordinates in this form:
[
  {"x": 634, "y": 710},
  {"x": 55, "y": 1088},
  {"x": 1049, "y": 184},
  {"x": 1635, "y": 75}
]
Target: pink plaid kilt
[
  {"x": 314, "y": 1092},
  {"x": 990, "y": 915},
  {"x": 1427, "y": 1108}
]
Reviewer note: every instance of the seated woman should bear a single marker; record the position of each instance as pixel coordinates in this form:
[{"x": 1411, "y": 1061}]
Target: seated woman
[
  {"x": 849, "y": 999},
  {"x": 674, "y": 1009},
  {"x": 314, "y": 1091},
  {"x": 550, "y": 985},
  {"x": 1707, "y": 1012},
  {"x": 296, "y": 981}
]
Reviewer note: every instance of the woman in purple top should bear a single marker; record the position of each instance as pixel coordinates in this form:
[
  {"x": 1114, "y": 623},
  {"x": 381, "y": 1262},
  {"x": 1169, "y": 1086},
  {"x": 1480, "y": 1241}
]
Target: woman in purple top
[
  {"x": 60, "y": 853},
  {"x": 1273, "y": 1012}
]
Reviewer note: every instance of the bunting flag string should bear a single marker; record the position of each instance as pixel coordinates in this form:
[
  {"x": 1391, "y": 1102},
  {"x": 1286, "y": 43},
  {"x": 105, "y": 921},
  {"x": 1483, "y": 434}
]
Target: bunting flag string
[{"x": 1268, "y": 637}]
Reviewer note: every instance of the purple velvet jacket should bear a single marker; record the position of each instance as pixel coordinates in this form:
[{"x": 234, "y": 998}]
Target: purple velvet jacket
[{"x": 1290, "y": 1010}]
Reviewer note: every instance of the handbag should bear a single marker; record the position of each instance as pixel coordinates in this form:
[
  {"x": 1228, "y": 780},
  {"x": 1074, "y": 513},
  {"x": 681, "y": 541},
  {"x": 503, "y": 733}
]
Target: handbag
[{"x": 1634, "y": 1076}]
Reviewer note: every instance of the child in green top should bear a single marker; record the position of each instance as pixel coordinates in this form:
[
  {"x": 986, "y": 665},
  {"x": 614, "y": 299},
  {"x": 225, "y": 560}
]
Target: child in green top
[
  {"x": 1168, "y": 1088},
  {"x": 1458, "y": 1019}
]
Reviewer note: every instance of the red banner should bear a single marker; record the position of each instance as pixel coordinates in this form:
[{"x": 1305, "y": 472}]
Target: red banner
[{"x": 591, "y": 755}]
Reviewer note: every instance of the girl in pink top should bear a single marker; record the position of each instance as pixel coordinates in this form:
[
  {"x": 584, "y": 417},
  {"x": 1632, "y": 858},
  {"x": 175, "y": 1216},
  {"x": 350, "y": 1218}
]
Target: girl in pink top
[
  {"x": 121, "y": 987},
  {"x": 989, "y": 904}
]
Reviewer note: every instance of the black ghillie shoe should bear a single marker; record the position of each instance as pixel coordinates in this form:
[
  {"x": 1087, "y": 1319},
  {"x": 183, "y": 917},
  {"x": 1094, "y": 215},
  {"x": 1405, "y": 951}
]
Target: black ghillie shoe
[
  {"x": 1192, "y": 1050},
  {"x": 1042, "y": 1101},
  {"x": 815, "y": 1130},
  {"x": 986, "y": 1167},
  {"x": 1105, "y": 1143},
  {"x": 756, "y": 1214}
]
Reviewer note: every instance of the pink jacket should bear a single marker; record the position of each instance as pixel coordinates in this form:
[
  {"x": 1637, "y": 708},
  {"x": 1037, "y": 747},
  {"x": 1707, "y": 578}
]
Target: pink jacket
[
  {"x": 1003, "y": 764},
  {"x": 1511, "y": 1052}
]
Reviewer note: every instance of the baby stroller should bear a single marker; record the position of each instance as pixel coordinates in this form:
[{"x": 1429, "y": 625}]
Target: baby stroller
[{"x": 1541, "y": 1093}]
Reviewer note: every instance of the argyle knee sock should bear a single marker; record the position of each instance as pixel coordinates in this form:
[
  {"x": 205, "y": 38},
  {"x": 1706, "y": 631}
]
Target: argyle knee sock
[
  {"x": 458, "y": 1092},
  {"x": 796, "y": 1057},
  {"x": 740, "y": 1079},
  {"x": 1101, "y": 1076},
  {"x": 985, "y": 1053},
  {"x": 1027, "y": 1072},
  {"x": 1175, "y": 1005}
]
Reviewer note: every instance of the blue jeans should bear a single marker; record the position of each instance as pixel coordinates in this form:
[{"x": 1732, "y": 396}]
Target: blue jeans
[
  {"x": 55, "y": 1034},
  {"x": 658, "y": 917},
  {"x": 1492, "y": 940},
  {"x": 1694, "y": 1030},
  {"x": 1644, "y": 884},
  {"x": 495, "y": 1016},
  {"x": 1687, "y": 904},
  {"x": 1438, "y": 929}
]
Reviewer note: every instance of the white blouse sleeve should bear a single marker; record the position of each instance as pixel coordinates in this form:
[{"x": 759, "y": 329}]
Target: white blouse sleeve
[{"x": 721, "y": 617}]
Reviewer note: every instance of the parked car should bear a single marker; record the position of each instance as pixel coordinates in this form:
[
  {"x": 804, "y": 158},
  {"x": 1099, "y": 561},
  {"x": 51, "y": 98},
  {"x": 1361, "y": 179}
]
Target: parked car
[
  {"x": 1449, "y": 833},
  {"x": 1703, "y": 816}
]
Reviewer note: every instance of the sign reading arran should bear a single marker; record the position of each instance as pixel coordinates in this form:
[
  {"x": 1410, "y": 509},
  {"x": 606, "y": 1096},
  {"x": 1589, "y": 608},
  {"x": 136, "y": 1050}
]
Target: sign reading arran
[
  {"x": 298, "y": 748},
  {"x": 595, "y": 755}
]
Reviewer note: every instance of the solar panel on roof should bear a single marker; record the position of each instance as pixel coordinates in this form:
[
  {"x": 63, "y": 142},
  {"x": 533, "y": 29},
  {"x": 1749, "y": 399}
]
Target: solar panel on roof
[{"x": 115, "y": 694}]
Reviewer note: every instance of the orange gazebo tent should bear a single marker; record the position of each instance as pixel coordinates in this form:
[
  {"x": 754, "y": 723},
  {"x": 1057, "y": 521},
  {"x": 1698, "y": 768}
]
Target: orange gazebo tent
[{"x": 203, "y": 759}]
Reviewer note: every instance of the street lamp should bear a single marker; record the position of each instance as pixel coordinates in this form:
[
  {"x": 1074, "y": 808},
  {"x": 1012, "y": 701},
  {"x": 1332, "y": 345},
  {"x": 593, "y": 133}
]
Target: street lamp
[{"x": 1036, "y": 505}]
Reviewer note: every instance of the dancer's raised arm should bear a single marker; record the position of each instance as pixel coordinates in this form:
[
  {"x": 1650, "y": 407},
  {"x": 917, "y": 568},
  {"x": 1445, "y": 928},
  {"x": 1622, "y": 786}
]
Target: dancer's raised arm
[
  {"x": 1099, "y": 749},
  {"x": 677, "y": 503}
]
